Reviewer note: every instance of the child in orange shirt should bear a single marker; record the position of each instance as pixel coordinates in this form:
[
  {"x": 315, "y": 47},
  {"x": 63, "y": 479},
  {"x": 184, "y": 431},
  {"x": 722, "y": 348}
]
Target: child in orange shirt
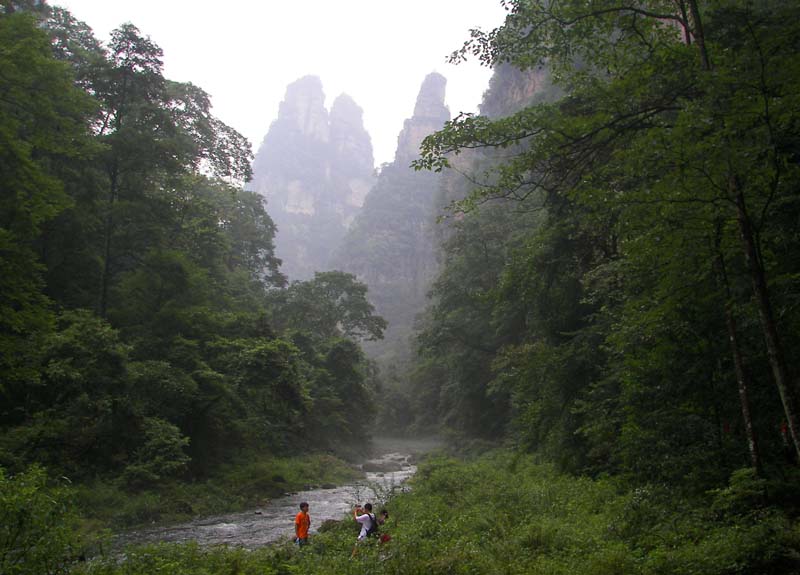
[{"x": 302, "y": 523}]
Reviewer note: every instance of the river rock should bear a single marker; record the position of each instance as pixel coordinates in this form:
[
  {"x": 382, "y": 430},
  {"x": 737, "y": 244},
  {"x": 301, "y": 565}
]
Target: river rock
[{"x": 381, "y": 466}]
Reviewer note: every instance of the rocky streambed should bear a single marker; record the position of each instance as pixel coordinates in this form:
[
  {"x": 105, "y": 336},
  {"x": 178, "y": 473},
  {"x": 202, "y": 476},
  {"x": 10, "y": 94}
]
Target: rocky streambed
[{"x": 384, "y": 474}]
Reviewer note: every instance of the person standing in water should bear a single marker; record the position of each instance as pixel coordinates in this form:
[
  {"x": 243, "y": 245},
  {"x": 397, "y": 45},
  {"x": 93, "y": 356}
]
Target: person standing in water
[{"x": 302, "y": 523}]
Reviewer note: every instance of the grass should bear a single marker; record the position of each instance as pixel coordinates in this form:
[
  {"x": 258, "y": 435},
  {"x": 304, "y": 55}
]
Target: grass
[
  {"x": 237, "y": 487},
  {"x": 509, "y": 515}
]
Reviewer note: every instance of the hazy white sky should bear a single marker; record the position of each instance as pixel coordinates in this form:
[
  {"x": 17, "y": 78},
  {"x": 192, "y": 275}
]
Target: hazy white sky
[{"x": 245, "y": 52}]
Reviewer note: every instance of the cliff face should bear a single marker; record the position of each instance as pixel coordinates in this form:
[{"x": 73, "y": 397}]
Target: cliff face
[
  {"x": 511, "y": 89},
  {"x": 351, "y": 148},
  {"x": 430, "y": 114},
  {"x": 390, "y": 246},
  {"x": 314, "y": 169}
]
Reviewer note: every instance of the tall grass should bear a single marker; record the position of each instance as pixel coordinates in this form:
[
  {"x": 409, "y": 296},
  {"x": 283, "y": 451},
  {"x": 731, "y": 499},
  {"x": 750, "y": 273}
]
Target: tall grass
[
  {"x": 507, "y": 515},
  {"x": 248, "y": 484}
]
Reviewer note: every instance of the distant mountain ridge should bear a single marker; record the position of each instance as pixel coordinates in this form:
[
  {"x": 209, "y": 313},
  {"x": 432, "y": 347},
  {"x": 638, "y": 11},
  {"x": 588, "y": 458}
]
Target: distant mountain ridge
[
  {"x": 391, "y": 245},
  {"x": 333, "y": 212},
  {"x": 314, "y": 168}
]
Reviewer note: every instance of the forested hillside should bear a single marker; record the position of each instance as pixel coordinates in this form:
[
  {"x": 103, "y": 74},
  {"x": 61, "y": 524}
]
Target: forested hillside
[
  {"x": 610, "y": 342},
  {"x": 391, "y": 247},
  {"x": 147, "y": 331},
  {"x": 619, "y": 287}
]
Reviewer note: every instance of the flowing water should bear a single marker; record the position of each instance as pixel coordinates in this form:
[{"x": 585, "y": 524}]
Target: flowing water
[{"x": 384, "y": 474}]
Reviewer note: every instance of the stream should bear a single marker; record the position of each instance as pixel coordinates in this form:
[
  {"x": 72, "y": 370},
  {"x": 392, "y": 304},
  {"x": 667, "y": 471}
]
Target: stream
[{"x": 384, "y": 474}]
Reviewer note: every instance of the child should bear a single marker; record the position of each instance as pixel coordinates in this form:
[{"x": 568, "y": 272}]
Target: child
[{"x": 302, "y": 523}]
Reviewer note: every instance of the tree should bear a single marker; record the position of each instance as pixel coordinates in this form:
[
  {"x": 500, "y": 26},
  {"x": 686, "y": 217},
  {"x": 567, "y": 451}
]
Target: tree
[
  {"x": 157, "y": 132},
  {"x": 72, "y": 417},
  {"x": 345, "y": 373},
  {"x": 461, "y": 335},
  {"x": 332, "y": 304},
  {"x": 122, "y": 193},
  {"x": 38, "y": 524},
  {"x": 251, "y": 234},
  {"x": 42, "y": 128},
  {"x": 675, "y": 117},
  {"x": 160, "y": 456}
]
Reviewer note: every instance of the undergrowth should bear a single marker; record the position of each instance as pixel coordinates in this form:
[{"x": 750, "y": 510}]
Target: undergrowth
[
  {"x": 237, "y": 487},
  {"x": 507, "y": 515}
]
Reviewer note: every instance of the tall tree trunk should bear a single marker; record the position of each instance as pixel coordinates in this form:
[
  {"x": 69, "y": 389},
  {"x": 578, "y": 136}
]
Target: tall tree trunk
[
  {"x": 699, "y": 34},
  {"x": 105, "y": 279},
  {"x": 774, "y": 349},
  {"x": 117, "y": 112},
  {"x": 775, "y": 354},
  {"x": 685, "y": 23},
  {"x": 742, "y": 378}
]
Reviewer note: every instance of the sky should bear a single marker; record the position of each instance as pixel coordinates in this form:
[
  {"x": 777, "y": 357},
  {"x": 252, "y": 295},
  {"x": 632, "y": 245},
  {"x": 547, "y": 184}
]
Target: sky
[{"x": 244, "y": 53}]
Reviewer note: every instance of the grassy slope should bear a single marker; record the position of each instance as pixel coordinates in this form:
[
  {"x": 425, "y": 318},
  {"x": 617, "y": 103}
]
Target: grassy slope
[
  {"x": 238, "y": 487},
  {"x": 507, "y": 515}
]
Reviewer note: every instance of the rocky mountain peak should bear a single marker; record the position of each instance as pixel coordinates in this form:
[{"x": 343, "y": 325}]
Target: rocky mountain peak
[
  {"x": 314, "y": 169},
  {"x": 346, "y": 111},
  {"x": 430, "y": 114},
  {"x": 303, "y": 107},
  {"x": 348, "y": 136},
  {"x": 430, "y": 100}
]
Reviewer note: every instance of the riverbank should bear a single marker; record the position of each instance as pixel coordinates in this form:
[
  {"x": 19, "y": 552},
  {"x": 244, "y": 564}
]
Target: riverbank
[
  {"x": 504, "y": 513},
  {"x": 250, "y": 494},
  {"x": 383, "y": 477},
  {"x": 106, "y": 507}
]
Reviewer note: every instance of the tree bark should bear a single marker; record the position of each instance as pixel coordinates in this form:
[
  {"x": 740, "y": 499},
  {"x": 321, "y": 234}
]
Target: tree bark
[
  {"x": 742, "y": 377},
  {"x": 699, "y": 35},
  {"x": 772, "y": 340},
  {"x": 105, "y": 278},
  {"x": 118, "y": 113}
]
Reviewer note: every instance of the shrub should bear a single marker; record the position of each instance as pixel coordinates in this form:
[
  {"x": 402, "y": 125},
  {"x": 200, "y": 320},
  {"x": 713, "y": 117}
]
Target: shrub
[
  {"x": 162, "y": 455},
  {"x": 38, "y": 533}
]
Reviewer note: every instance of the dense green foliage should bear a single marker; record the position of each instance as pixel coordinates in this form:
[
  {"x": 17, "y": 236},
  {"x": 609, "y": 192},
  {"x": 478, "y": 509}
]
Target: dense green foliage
[
  {"x": 147, "y": 334},
  {"x": 617, "y": 299},
  {"x": 390, "y": 246},
  {"x": 506, "y": 514},
  {"x": 49, "y": 527},
  {"x": 37, "y": 525},
  {"x": 619, "y": 294},
  {"x": 237, "y": 486}
]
